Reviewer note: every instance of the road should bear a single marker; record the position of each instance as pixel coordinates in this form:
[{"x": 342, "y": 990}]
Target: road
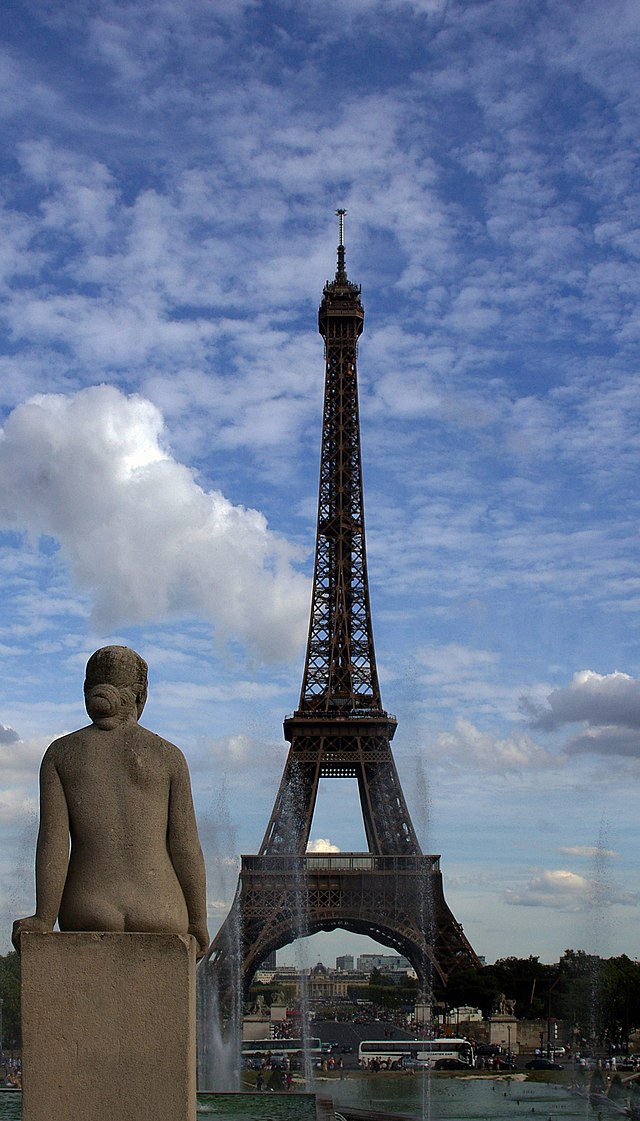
[{"x": 350, "y": 1035}]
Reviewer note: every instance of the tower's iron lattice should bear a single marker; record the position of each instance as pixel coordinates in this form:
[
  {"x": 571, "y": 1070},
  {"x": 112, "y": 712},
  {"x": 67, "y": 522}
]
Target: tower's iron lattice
[{"x": 393, "y": 892}]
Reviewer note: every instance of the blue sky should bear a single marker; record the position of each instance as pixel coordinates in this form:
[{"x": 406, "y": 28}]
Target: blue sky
[{"x": 170, "y": 173}]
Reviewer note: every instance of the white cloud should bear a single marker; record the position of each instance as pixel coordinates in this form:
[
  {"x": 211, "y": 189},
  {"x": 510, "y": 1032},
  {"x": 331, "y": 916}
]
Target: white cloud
[
  {"x": 141, "y": 538},
  {"x": 470, "y": 746},
  {"x": 605, "y": 741},
  {"x": 19, "y": 763},
  {"x": 607, "y": 705},
  {"x": 454, "y": 662},
  {"x": 599, "y": 699},
  {"x": 15, "y": 808},
  {"x": 590, "y": 851},
  {"x": 568, "y": 891},
  {"x": 322, "y": 844}
]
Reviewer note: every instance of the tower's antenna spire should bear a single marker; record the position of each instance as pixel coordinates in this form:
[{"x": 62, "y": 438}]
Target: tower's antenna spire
[{"x": 341, "y": 272}]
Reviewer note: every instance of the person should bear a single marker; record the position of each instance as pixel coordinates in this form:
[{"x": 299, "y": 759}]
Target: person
[{"x": 122, "y": 796}]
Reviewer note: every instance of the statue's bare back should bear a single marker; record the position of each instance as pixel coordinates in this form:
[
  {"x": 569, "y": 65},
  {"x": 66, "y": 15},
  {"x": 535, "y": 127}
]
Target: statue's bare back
[{"x": 121, "y": 796}]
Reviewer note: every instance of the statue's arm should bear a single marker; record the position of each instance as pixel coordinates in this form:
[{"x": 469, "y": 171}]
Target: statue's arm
[
  {"x": 186, "y": 854},
  {"x": 52, "y": 852}
]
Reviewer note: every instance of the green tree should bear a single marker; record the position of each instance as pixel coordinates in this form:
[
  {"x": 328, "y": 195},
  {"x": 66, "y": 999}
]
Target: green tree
[
  {"x": 527, "y": 981},
  {"x": 387, "y": 992},
  {"x": 599, "y": 998},
  {"x": 10, "y": 996}
]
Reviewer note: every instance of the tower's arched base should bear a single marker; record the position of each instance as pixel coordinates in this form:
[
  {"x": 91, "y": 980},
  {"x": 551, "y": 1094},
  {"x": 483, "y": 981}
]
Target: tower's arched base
[{"x": 396, "y": 900}]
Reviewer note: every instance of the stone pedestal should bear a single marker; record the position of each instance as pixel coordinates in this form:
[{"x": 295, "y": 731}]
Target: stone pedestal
[
  {"x": 256, "y": 1025},
  {"x": 503, "y": 1030},
  {"x": 422, "y": 1013},
  {"x": 278, "y": 1013},
  {"x": 108, "y": 1027}
]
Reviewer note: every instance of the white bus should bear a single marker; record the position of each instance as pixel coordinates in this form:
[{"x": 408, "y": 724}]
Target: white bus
[
  {"x": 394, "y": 1053},
  {"x": 277, "y": 1050}
]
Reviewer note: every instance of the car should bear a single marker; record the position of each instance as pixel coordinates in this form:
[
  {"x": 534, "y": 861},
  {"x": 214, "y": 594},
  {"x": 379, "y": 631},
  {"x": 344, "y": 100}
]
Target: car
[
  {"x": 346, "y": 1049},
  {"x": 451, "y": 1064},
  {"x": 543, "y": 1064}
]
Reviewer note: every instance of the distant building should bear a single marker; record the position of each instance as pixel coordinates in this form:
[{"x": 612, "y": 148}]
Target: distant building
[
  {"x": 319, "y": 983},
  {"x": 345, "y": 963},
  {"x": 465, "y": 1013},
  {"x": 392, "y": 963},
  {"x": 263, "y": 976}
]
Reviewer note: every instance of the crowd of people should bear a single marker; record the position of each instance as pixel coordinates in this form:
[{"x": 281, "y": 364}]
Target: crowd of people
[{"x": 11, "y": 1074}]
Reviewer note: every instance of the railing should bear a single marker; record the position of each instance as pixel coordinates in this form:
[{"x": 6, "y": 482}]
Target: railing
[
  {"x": 341, "y": 862},
  {"x": 338, "y": 713}
]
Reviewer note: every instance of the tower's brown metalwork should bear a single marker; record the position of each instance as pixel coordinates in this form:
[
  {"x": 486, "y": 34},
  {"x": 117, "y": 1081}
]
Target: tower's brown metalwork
[{"x": 393, "y": 892}]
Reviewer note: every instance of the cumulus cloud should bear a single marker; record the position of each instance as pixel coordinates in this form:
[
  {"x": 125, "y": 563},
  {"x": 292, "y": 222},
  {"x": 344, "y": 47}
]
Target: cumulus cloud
[
  {"x": 568, "y": 891},
  {"x": 321, "y": 844},
  {"x": 470, "y": 745},
  {"x": 607, "y": 705},
  {"x": 15, "y": 808},
  {"x": 138, "y": 534},
  {"x": 598, "y": 699},
  {"x": 19, "y": 763},
  {"x": 605, "y": 741},
  {"x": 8, "y": 735}
]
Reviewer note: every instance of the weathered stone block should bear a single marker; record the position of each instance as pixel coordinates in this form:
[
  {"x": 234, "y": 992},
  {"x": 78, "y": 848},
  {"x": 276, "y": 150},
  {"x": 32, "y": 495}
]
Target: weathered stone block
[{"x": 108, "y": 1027}]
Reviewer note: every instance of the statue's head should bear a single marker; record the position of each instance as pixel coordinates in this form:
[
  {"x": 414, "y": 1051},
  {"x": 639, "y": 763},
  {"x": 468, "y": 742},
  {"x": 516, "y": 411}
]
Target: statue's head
[{"x": 115, "y": 686}]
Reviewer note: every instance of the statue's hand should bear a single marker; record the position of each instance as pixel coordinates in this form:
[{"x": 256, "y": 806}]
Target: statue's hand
[
  {"x": 33, "y": 924},
  {"x": 201, "y": 935}
]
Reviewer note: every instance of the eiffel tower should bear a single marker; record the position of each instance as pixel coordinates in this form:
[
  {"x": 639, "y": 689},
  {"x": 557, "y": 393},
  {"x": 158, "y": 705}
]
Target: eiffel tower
[{"x": 392, "y": 893}]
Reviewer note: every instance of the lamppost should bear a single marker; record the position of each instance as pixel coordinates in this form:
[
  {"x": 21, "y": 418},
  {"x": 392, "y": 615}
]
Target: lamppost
[{"x": 550, "y": 990}]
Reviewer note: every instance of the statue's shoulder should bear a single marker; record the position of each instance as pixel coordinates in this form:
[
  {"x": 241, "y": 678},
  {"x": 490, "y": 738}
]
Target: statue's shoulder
[
  {"x": 163, "y": 747},
  {"x": 70, "y": 741}
]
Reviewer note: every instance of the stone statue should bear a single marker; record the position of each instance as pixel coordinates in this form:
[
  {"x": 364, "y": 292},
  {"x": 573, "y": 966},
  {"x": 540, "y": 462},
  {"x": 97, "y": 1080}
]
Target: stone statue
[
  {"x": 502, "y": 1006},
  {"x": 122, "y": 796}
]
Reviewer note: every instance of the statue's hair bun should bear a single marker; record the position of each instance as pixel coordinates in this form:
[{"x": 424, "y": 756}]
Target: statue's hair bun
[{"x": 103, "y": 702}]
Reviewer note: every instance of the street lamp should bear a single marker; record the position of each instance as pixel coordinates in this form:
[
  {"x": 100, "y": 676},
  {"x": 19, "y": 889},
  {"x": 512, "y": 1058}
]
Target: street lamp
[{"x": 550, "y": 990}]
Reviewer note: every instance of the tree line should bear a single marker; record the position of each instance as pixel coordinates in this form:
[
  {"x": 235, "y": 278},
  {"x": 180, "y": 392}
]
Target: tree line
[
  {"x": 10, "y": 997},
  {"x": 598, "y": 997}
]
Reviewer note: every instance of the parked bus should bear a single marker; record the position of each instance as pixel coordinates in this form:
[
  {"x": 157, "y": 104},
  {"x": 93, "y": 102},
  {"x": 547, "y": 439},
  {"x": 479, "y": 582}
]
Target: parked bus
[
  {"x": 394, "y": 1053},
  {"x": 277, "y": 1051}
]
